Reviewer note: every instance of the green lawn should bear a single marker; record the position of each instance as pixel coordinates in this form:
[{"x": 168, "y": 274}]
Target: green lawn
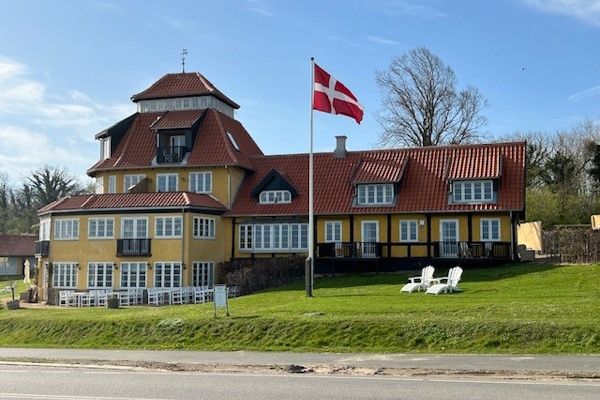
[{"x": 526, "y": 308}]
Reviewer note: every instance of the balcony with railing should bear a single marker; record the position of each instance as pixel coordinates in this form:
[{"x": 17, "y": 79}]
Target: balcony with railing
[
  {"x": 349, "y": 250},
  {"x": 133, "y": 247},
  {"x": 453, "y": 249},
  {"x": 42, "y": 248},
  {"x": 171, "y": 154}
]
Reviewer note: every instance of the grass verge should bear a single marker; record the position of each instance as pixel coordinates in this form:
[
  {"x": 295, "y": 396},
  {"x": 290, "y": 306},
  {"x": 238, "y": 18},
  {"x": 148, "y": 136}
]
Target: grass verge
[{"x": 526, "y": 308}]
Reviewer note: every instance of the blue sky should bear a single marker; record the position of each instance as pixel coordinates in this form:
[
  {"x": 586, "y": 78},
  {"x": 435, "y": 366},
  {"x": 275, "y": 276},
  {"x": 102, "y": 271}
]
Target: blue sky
[{"x": 68, "y": 68}]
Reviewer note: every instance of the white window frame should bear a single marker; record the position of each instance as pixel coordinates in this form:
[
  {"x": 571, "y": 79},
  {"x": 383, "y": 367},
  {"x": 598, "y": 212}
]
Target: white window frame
[
  {"x": 476, "y": 191},
  {"x": 66, "y": 229},
  {"x": 275, "y": 197},
  {"x": 233, "y": 142},
  {"x": 44, "y": 229},
  {"x": 131, "y": 180},
  {"x": 204, "y": 228},
  {"x": 136, "y": 221},
  {"x": 112, "y": 184},
  {"x": 168, "y": 274},
  {"x": 375, "y": 194},
  {"x": 133, "y": 274},
  {"x": 333, "y": 231},
  {"x": 100, "y": 275},
  {"x": 107, "y": 232},
  {"x": 167, "y": 182},
  {"x": 409, "y": 230},
  {"x": 487, "y": 229},
  {"x": 64, "y": 275},
  {"x": 105, "y": 148},
  {"x": 200, "y": 182},
  {"x": 274, "y": 237},
  {"x": 203, "y": 273},
  {"x": 99, "y": 185},
  {"x": 168, "y": 227}
]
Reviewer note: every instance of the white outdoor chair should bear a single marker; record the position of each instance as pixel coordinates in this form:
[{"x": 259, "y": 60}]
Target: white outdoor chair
[
  {"x": 101, "y": 297},
  {"x": 63, "y": 298},
  {"x": 419, "y": 282},
  {"x": 176, "y": 296},
  {"x": 125, "y": 298},
  {"x": 200, "y": 294},
  {"x": 154, "y": 296},
  {"x": 450, "y": 285}
]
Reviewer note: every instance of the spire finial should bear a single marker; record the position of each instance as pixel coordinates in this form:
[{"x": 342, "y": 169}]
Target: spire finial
[{"x": 183, "y": 54}]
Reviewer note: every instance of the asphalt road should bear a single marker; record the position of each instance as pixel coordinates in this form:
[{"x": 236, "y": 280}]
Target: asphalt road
[
  {"x": 365, "y": 364},
  {"x": 50, "y": 382}
]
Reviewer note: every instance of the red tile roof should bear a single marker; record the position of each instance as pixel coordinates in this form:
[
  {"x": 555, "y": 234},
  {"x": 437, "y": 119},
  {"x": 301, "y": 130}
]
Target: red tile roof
[
  {"x": 212, "y": 147},
  {"x": 126, "y": 201},
  {"x": 177, "y": 119},
  {"x": 182, "y": 85},
  {"x": 422, "y": 172},
  {"x": 479, "y": 163},
  {"x": 17, "y": 245}
]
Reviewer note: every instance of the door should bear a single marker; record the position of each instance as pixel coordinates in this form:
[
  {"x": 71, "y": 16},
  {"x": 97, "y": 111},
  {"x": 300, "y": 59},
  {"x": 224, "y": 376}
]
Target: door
[
  {"x": 449, "y": 238},
  {"x": 370, "y": 237}
]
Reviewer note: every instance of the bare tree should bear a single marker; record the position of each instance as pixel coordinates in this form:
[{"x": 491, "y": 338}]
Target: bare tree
[
  {"x": 421, "y": 105},
  {"x": 51, "y": 183}
]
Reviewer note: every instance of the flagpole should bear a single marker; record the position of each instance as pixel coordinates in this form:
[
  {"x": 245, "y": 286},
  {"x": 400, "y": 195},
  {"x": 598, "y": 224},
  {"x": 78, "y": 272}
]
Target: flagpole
[{"x": 309, "y": 270}]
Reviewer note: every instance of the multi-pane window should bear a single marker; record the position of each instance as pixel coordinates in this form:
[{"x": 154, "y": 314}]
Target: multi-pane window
[
  {"x": 64, "y": 275},
  {"x": 203, "y": 273},
  {"x": 112, "y": 184},
  {"x": 44, "y": 230},
  {"x": 166, "y": 182},
  {"x": 375, "y": 194},
  {"x": 131, "y": 180},
  {"x": 65, "y": 229},
  {"x": 101, "y": 228},
  {"x": 167, "y": 274},
  {"x": 134, "y": 228},
  {"x": 100, "y": 275},
  {"x": 490, "y": 229},
  {"x": 408, "y": 231},
  {"x": 166, "y": 227},
  {"x": 275, "y": 196},
  {"x": 204, "y": 228},
  {"x": 274, "y": 237},
  {"x": 99, "y": 185},
  {"x": 133, "y": 274},
  {"x": 472, "y": 191},
  {"x": 201, "y": 182},
  {"x": 333, "y": 231},
  {"x": 105, "y": 148}
]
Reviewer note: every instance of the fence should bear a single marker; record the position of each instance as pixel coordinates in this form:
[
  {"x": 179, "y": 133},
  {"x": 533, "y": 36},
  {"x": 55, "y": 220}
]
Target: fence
[{"x": 576, "y": 245}]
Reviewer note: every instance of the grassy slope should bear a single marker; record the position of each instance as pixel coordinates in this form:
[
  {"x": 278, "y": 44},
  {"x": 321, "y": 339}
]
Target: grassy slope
[{"x": 530, "y": 308}]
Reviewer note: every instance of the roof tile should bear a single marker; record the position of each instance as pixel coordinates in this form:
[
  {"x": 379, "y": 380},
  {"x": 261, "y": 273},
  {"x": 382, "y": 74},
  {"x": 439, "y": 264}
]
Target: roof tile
[{"x": 17, "y": 245}]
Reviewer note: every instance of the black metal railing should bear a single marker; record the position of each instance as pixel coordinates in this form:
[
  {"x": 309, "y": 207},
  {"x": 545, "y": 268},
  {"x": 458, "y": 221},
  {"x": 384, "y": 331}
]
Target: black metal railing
[
  {"x": 453, "y": 249},
  {"x": 42, "y": 248},
  {"x": 349, "y": 250},
  {"x": 170, "y": 154},
  {"x": 133, "y": 247}
]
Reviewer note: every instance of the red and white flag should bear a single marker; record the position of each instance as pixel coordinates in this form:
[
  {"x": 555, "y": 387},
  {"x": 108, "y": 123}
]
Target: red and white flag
[{"x": 331, "y": 96}]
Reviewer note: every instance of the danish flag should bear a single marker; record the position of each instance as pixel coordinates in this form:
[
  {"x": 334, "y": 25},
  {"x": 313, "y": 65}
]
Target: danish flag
[{"x": 331, "y": 96}]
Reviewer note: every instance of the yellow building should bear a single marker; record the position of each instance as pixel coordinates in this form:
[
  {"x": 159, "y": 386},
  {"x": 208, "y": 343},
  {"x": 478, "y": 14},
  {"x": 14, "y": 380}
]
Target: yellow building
[{"x": 181, "y": 187}]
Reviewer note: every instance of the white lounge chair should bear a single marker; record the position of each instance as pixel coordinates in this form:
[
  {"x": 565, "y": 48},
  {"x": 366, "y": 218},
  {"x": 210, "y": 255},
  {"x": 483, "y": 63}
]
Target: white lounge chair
[
  {"x": 450, "y": 285},
  {"x": 419, "y": 282}
]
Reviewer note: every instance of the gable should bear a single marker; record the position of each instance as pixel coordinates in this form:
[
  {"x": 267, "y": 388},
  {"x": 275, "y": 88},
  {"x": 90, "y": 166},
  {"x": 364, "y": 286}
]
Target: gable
[{"x": 274, "y": 181}]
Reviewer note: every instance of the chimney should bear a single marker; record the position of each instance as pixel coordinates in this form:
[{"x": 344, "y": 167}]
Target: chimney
[{"x": 340, "y": 146}]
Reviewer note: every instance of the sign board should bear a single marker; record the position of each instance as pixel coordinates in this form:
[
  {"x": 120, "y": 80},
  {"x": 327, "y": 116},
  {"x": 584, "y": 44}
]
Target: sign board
[
  {"x": 220, "y": 298},
  {"x": 596, "y": 222}
]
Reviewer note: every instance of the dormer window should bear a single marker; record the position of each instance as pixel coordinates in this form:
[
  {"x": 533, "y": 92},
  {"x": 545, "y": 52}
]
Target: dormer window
[
  {"x": 480, "y": 191},
  {"x": 233, "y": 142},
  {"x": 375, "y": 194},
  {"x": 105, "y": 148},
  {"x": 275, "y": 197}
]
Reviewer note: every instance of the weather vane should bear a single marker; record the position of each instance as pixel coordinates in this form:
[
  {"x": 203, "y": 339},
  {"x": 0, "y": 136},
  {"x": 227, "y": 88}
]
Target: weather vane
[{"x": 183, "y": 54}]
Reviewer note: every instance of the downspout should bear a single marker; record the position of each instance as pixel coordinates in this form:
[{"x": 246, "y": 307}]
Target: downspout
[{"x": 183, "y": 232}]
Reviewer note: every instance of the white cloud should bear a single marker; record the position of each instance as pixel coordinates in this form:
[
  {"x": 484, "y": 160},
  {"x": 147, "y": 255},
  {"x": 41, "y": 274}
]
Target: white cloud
[
  {"x": 39, "y": 126},
  {"x": 403, "y": 7},
  {"x": 584, "y": 94},
  {"x": 259, "y": 7},
  {"x": 583, "y": 10},
  {"x": 383, "y": 41}
]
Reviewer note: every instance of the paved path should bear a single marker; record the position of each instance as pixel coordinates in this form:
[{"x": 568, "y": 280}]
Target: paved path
[{"x": 585, "y": 366}]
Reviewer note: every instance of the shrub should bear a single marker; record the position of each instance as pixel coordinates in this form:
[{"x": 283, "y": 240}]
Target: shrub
[{"x": 252, "y": 275}]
